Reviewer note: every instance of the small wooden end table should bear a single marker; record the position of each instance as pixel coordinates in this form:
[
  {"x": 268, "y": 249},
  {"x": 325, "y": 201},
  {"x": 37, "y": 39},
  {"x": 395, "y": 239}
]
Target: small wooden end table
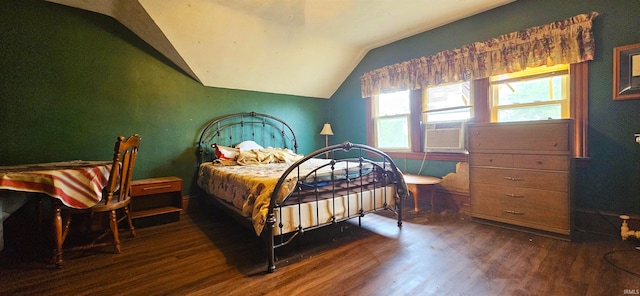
[
  {"x": 416, "y": 182},
  {"x": 155, "y": 197}
]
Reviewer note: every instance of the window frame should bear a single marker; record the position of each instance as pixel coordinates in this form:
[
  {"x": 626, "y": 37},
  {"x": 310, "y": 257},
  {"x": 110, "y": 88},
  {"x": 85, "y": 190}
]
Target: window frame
[
  {"x": 376, "y": 118},
  {"x": 415, "y": 97},
  {"x": 579, "y": 94},
  {"x": 565, "y": 103},
  {"x": 426, "y": 111}
]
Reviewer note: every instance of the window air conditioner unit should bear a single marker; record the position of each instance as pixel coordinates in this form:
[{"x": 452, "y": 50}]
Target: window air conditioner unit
[{"x": 445, "y": 136}]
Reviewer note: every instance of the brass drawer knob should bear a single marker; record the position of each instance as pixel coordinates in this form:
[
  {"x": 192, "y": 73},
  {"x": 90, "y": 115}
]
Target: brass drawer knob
[
  {"x": 512, "y": 212},
  {"x": 513, "y": 195}
]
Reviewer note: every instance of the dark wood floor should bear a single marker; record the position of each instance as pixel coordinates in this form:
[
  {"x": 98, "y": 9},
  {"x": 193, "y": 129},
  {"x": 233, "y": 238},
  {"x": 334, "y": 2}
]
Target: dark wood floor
[{"x": 209, "y": 255}]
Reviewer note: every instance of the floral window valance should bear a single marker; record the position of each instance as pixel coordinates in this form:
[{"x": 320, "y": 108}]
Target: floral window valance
[{"x": 564, "y": 42}]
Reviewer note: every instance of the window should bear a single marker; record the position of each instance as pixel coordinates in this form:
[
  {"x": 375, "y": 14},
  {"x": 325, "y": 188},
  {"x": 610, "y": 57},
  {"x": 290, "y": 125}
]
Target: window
[
  {"x": 447, "y": 103},
  {"x": 391, "y": 120},
  {"x": 533, "y": 94},
  {"x": 394, "y": 119},
  {"x": 446, "y": 110}
]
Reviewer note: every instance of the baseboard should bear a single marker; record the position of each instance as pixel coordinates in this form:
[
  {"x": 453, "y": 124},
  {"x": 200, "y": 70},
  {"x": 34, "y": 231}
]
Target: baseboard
[
  {"x": 601, "y": 222},
  {"x": 522, "y": 229},
  {"x": 155, "y": 220},
  {"x": 189, "y": 203},
  {"x": 455, "y": 201},
  {"x": 609, "y": 214}
]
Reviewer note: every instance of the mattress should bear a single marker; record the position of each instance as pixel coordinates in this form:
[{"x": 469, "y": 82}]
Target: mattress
[{"x": 323, "y": 211}]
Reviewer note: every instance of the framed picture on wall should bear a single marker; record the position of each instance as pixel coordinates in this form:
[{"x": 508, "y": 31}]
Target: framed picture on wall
[{"x": 626, "y": 72}]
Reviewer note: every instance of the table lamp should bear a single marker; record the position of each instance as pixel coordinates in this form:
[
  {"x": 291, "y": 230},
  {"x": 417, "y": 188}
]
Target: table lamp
[{"x": 326, "y": 132}]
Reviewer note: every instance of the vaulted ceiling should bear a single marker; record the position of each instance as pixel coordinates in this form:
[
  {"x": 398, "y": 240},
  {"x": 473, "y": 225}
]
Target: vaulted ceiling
[{"x": 295, "y": 47}]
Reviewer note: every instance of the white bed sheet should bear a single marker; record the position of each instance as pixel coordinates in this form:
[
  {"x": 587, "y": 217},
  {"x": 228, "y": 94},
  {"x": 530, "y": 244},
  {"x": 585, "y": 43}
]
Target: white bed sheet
[{"x": 312, "y": 213}]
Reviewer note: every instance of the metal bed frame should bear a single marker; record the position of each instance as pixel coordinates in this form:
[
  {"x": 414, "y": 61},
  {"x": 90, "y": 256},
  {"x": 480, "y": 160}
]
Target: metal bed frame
[{"x": 271, "y": 131}]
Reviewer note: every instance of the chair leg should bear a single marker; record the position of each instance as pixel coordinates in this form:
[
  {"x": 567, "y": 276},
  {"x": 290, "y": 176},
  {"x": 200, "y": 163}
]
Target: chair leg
[
  {"x": 131, "y": 228},
  {"x": 113, "y": 222},
  {"x": 57, "y": 228},
  {"x": 66, "y": 226}
]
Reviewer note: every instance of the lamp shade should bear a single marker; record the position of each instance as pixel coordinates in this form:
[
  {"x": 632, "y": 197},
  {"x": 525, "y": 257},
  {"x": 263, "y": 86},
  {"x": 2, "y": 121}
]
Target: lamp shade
[{"x": 326, "y": 130}]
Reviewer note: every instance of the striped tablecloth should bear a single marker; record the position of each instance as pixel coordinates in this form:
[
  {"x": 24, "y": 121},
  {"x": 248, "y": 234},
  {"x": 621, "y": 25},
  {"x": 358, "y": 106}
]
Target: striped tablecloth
[{"x": 78, "y": 184}]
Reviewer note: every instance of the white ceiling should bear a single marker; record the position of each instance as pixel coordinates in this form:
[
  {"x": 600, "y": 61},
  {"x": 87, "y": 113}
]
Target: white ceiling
[{"x": 296, "y": 47}]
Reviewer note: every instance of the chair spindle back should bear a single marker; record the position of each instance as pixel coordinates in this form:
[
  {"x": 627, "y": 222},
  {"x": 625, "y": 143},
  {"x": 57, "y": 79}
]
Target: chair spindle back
[{"x": 124, "y": 158}]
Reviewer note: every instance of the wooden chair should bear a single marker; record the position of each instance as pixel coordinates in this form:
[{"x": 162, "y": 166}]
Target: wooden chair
[{"x": 115, "y": 198}]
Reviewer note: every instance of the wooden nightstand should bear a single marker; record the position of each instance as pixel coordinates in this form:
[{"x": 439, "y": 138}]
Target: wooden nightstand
[{"x": 156, "y": 200}]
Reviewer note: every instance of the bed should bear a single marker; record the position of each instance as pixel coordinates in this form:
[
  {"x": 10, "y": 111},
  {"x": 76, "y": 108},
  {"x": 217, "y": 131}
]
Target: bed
[{"x": 249, "y": 167}]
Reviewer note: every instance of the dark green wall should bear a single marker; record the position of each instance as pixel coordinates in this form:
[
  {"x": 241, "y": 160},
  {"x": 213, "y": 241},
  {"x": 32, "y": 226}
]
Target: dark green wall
[
  {"x": 611, "y": 182},
  {"x": 72, "y": 81}
]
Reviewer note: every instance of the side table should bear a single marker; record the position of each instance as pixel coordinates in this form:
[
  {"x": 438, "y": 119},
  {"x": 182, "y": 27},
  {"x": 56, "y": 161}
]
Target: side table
[
  {"x": 416, "y": 182},
  {"x": 156, "y": 197}
]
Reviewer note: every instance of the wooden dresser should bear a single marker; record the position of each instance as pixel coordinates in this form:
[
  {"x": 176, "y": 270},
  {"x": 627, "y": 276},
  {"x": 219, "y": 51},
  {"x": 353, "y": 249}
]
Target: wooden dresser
[{"x": 521, "y": 173}]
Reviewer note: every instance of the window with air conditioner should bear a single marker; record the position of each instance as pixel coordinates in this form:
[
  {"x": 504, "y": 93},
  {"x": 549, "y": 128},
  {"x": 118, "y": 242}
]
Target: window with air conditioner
[{"x": 446, "y": 110}]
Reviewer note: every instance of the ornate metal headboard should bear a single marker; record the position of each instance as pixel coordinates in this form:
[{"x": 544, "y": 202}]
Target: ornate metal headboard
[{"x": 230, "y": 130}]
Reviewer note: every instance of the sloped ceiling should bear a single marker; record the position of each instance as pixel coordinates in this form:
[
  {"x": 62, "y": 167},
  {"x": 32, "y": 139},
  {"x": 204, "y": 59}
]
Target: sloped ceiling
[{"x": 296, "y": 47}]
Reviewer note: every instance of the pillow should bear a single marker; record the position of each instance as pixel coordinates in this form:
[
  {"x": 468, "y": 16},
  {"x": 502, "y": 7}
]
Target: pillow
[
  {"x": 248, "y": 145},
  {"x": 224, "y": 152}
]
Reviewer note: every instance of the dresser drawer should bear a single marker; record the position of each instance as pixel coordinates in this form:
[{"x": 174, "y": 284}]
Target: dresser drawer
[
  {"x": 528, "y": 216},
  {"x": 521, "y": 161},
  {"x": 554, "y": 181},
  {"x": 491, "y": 159},
  {"x": 516, "y": 196},
  {"x": 155, "y": 186},
  {"x": 501, "y": 207},
  {"x": 541, "y": 162},
  {"x": 543, "y": 136},
  {"x": 553, "y": 216}
]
